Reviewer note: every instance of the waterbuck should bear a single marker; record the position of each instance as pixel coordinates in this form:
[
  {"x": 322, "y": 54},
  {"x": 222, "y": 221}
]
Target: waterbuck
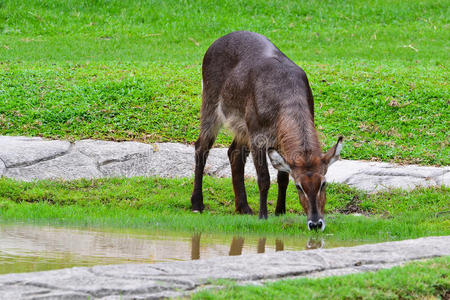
[{"x": 265, "y": 99}]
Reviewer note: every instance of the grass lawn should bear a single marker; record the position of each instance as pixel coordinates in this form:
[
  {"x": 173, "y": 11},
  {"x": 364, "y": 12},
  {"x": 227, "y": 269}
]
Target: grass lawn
[
  {"x": 163, "y": 204},
  {"x": 130, "y": 70},
  {"x": 417, "y": 280}
]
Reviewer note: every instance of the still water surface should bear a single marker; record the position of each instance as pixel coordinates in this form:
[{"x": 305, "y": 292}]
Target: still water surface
[{"x": 27, "y": 248}]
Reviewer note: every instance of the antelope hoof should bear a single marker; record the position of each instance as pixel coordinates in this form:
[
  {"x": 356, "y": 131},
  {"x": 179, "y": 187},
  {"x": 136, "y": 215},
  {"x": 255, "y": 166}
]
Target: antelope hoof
[
  {"x": 280, "y": 212},
  {"x": 197, "y": 203},
  {"x": 197, "y": 208},
  {"x": 245, "y": 211}
]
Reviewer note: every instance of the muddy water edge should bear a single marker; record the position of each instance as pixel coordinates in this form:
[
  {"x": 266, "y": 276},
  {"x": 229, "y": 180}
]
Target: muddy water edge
[{"x": 28, "y": 248}]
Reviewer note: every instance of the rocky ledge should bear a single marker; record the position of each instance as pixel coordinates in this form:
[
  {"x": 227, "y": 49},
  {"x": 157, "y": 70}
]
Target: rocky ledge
[{"x": 28, "y": 159}]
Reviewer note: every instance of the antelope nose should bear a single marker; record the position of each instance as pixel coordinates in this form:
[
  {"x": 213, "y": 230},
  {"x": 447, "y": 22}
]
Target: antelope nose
[{"x": 316, "y": 225}]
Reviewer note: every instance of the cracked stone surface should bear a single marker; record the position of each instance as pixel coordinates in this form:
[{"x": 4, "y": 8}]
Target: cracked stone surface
[
  {"x": 22, "y": 151},
  {"x": 70, "y": 166},
  {"x": 104, "y": 152},
  {"x": 2, "y": 167},
  {"x": 30, "y": 159},
  {"x": 135, "y": 281},
  {"x": 162, "y": 159}
]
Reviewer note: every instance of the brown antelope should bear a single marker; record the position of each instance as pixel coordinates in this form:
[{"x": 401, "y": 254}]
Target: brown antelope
[{"x": 265, "y": 99}]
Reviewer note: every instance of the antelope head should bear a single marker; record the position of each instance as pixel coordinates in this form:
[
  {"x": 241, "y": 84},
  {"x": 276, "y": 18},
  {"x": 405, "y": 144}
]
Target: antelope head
[{"x": 309, "y": 177}]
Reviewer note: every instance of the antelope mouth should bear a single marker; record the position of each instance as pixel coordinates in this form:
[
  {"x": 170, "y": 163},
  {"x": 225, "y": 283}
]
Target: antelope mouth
[{"x": 319, "y": 225}]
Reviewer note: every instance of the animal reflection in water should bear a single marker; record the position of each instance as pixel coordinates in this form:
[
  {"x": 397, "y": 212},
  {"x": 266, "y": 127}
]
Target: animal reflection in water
[{"x": 237, "y": 244}]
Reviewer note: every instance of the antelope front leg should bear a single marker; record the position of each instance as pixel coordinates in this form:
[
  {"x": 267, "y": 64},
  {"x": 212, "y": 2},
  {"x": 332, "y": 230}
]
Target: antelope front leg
[
  {"x": 260, "y": 161},
  {"x": 283, "y": 181},
  {"x": 237, "y": 155},
  {"x": 202, "y": 147}
]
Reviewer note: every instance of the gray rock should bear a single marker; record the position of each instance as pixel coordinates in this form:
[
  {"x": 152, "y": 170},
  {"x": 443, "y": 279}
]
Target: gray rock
[
  {"x": 376, "y": 183},
  {"x": 165, "y": 160},
  {"x": 34, "y": 158},
  {"x": 217, "y": 164},
  {"x": 73, "y": 165},
  {"x": 220, "y": 166},
  {"x": 104, "y": 152},
  {"x": 2, "y": 168},
  {"x": 352, "y": 270},
  {"x": 24, "y": 151},
  {"x": 444, "y": 179},
  {"x": 375, "y": 176},
  {"x": 178, "y": 278},
  {"x": 342, "y": 170}
]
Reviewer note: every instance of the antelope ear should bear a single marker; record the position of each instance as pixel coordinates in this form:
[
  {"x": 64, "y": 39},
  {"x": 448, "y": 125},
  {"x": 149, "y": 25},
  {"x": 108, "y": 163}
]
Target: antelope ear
[
  {"x": 278, "y": 161},
  {"x": 333, "y": 154}
]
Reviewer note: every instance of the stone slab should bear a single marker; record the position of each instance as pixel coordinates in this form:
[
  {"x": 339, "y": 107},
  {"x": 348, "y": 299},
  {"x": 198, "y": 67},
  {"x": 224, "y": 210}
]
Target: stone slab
[
  {"x": 134, "y": 281},
  {"x": 375, "y": 176},
  {"x": 35, "y": 158},
  {"x": 104, "y": 152},
  {"x": 2, "y": 168},
  {"x": 73, "y": 165},
  {"x": 165, "y": 160},
  {"x": 223, "y": 168},
  {"x": 444, "y": 179},
  {"x": 23, "y": 151}
]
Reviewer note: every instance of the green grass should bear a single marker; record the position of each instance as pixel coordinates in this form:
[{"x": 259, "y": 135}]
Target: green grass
[
  {"x": 417, "y": 280},
  {"x": 163, "y": 204},
  {"x": 130, "y": 70},
  {"x": 182, "y": 30}
]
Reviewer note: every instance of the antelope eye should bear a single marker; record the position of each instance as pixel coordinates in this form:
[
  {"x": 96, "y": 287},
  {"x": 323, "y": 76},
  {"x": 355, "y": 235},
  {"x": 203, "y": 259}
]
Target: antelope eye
[{"x": 323, "y": 185}]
